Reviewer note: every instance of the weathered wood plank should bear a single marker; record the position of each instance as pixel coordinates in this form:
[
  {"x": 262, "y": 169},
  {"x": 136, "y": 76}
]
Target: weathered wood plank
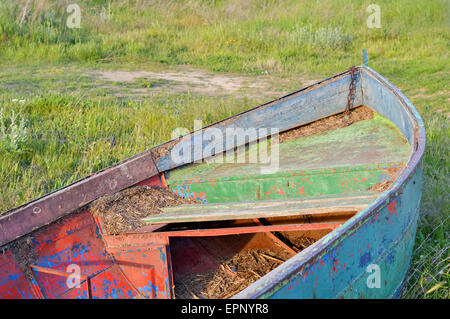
[
  {"x": 49, "y": 208},
  {"x": 261, "y": 209},
  {"x": 270, "y": 203}
]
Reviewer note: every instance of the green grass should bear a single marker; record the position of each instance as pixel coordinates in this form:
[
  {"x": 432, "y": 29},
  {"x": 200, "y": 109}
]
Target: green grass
[
  {"x": 252, "y": 37},
  {"x": 67, "y": 137},
  {"x": 65, "y": 127}
]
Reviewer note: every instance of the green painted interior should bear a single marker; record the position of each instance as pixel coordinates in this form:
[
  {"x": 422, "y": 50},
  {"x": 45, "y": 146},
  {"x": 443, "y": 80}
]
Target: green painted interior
[{"x": 349, "y": 159}]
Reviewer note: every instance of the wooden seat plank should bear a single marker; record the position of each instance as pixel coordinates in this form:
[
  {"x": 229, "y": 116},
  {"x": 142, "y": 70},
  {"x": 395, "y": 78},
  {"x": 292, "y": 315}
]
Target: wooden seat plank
[{"x": 263, "y": 209}]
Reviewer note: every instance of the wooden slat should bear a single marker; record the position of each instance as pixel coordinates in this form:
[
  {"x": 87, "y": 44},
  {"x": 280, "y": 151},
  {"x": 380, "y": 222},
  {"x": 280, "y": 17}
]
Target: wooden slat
[
  {"x": 276, "y": 240},
  {"x": 47, "y": 209},
  {"x": 261, "y": 209},
  {"x": 226, "y": 231}
]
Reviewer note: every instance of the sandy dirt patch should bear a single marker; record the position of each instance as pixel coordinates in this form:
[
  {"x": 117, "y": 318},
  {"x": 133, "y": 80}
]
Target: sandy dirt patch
[{"x": 187, "y": 79}]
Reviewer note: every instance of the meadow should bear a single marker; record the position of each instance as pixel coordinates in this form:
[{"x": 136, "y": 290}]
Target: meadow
[{"x": 62, "y": 118}]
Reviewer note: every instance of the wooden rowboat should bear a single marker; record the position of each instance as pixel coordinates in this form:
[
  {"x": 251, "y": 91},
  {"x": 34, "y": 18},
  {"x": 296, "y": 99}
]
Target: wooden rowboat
[{"x": 347, "y": 175}]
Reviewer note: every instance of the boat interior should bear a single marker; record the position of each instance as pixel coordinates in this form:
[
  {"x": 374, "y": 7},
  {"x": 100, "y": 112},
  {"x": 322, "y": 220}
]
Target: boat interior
[{"x": 325, "y": 176}]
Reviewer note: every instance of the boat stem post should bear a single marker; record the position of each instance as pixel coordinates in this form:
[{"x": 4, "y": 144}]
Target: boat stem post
[{"x": 365, "y": 60}]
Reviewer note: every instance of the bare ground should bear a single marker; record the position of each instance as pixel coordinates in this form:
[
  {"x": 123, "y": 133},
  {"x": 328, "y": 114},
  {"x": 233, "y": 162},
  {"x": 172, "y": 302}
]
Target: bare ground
[{"x": 199, "y": 81}]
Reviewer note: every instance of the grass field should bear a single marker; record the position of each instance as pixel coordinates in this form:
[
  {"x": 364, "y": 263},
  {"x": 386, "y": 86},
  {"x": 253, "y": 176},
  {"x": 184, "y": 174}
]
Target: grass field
[{"x": 67, "y": 108}]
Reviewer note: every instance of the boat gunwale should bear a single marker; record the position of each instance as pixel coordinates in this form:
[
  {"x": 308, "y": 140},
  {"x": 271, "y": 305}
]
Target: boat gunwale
[{"x": 264, "y": 286}]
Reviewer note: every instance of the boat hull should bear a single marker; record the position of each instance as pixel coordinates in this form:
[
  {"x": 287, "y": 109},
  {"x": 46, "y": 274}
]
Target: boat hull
[{"x": 367, "y": 257}]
